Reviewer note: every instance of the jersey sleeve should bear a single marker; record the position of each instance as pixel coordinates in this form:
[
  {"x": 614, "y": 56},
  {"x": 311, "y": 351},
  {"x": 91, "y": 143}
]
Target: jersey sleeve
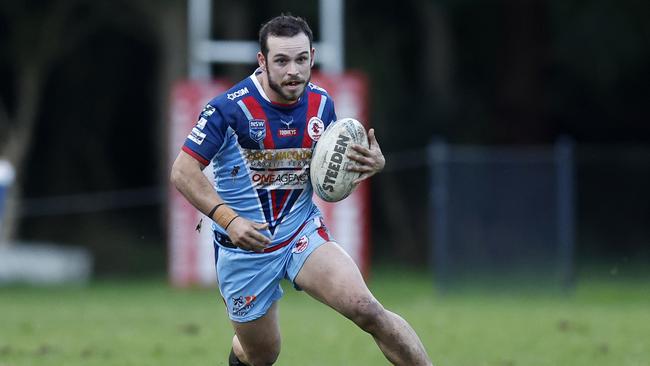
[{"x": 207, "y": 136}]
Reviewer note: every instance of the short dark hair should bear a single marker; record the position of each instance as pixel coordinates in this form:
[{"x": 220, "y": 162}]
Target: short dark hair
[{"x": 284, "y": 25}]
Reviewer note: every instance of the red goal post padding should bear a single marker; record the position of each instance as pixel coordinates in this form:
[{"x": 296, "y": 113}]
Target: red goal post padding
[{"x": 190, "y": 252}]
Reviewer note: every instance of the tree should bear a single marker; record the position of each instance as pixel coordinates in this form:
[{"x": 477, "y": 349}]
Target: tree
[
  {"x": 41, "y": 33},
  {"x": 38, "y": 35}
]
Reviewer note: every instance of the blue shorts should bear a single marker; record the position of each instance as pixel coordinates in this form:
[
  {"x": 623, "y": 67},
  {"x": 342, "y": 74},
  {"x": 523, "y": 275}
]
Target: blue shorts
[{"x": 250, "y": 282}]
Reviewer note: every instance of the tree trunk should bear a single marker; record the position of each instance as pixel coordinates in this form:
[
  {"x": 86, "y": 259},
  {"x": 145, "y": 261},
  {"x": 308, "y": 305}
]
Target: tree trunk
[
  {"x": 236, "y": 19},
  {"x": 171, "y": 33},
  {"x": 408, "y": 240},
  {"x": 437, "y": 63},
  {"x": 523, "y": 60},
  {"x": 30, "y": 80},
  {"x": 38, "y": 38},
  {"x": 169, "y": 29}
]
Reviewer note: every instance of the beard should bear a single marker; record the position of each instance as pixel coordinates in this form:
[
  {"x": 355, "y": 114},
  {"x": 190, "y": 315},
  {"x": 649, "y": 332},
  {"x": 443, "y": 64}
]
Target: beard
[{"x": 290, "y": 96}]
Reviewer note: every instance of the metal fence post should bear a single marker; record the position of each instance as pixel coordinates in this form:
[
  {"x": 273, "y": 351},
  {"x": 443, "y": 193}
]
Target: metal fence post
[
  {"x": 438, "y": 191},
  {"x": 564, "y": 162}
]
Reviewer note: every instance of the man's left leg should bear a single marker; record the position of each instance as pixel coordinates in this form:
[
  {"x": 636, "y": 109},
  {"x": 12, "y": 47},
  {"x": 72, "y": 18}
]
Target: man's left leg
[{"x": 332, "y": 277}]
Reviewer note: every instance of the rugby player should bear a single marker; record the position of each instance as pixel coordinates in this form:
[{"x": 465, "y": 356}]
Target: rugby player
[{"x": 259, "y": 136}]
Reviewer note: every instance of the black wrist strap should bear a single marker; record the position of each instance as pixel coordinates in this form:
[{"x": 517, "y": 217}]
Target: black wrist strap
[
  {"x": 231, "y": 220},
  {"x": 214, "y": 209}
]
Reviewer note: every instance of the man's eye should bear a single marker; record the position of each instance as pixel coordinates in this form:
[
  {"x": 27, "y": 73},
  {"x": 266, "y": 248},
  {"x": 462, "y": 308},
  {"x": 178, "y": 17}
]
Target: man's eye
[{"x": 281, "y": 62}]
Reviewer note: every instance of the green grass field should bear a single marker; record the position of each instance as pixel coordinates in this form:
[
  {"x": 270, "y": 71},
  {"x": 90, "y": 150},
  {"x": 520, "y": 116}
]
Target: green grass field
[{"x": 144, "y": 323}]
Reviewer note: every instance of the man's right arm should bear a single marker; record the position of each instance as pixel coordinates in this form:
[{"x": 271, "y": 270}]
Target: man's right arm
[{"x": 187, "y": 176}]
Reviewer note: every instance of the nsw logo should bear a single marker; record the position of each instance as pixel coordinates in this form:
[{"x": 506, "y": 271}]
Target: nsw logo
[{"x": 257, "y": 129}]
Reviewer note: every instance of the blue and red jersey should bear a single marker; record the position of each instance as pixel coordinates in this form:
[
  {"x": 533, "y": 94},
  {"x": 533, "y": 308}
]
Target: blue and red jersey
[{"x": 260, "y": 153}]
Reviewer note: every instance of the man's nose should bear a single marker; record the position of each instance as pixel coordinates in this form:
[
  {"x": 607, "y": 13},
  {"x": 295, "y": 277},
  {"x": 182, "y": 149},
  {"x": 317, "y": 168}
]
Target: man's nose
[{"x": 292, "y": 69}]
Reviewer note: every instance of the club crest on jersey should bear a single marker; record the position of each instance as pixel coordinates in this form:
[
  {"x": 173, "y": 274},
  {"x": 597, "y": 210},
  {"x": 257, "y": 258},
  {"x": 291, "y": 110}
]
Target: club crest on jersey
[
  {"x": 257, "y": 129},
  {"x": 315, "y": 128}
]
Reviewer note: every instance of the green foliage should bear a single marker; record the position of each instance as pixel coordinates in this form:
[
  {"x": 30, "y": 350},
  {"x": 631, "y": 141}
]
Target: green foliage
[{"x": 147, "y": 323}]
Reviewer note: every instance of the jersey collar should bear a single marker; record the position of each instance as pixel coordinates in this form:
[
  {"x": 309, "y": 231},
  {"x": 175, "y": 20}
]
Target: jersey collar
[{"x": 263, "y": 94}]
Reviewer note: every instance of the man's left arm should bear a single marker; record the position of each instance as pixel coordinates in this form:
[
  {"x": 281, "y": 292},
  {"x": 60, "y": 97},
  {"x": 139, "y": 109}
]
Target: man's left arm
[{"x": 369, "y": 161}]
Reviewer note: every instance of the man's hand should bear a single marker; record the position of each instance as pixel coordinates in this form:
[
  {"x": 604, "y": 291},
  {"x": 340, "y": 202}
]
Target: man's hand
[
  {"x": 246, "y": 234},
  {"x": 369, "y": 161}
]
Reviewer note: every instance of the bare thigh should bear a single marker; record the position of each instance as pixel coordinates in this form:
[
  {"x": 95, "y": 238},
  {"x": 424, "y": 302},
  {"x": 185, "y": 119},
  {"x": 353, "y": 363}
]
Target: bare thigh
[
  {"x": 331, "y": 276},
  {"x": 260, "y": 336}
]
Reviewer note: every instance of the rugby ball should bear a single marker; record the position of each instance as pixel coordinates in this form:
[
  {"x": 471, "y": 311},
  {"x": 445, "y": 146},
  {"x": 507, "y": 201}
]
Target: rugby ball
[{"x": 328, "y": 170}]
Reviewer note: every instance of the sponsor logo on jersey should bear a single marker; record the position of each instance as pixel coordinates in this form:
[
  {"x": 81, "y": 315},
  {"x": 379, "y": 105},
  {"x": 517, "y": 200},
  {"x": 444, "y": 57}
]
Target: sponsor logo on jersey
[
  {"x": 257, "y": 129},
  {"x": 207, "y": 111},
  {"x": 301, "y": 245},
  {"x": 287, "y": 130},
  {"x": 313, "y": 86},
  {"x": 275, "y": 178},
  {"x": 315, "y": 128},
  {"x": 241, "y": 305},
  {"x": 274, "y": 155},
  {"x": 201, "y": 123},
  {"x": 237, "y": 94},
  {"x": 290, "y": 132},
  {"x": 197, "y": 136},
  {"x": 287, "y": 123},
  {"x": 277, "y": 159}
]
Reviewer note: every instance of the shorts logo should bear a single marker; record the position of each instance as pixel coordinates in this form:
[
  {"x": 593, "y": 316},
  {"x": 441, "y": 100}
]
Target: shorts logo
[
  {"x": 242, "y": 304},
  {"x": 257, "y": 129},
  {"x": 301, "y": 245},
  {"x": 315, "y": 128}
]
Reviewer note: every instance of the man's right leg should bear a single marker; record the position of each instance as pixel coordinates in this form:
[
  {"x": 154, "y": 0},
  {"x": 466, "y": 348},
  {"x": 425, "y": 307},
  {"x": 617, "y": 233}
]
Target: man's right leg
[
  {"x": 249, "y": 285},
  {"x": 257, "y": 343}
]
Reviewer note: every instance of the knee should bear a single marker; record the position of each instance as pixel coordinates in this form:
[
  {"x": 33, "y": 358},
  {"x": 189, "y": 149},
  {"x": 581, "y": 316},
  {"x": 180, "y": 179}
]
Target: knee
[
  {"x": 263, "y": 358},
  {"x": 260, "y": 354},
  {"x": 367, "y": 313}
]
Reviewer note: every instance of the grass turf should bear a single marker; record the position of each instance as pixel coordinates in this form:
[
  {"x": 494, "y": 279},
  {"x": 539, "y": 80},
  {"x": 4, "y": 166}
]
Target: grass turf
[{"x": 605, "y": 322}]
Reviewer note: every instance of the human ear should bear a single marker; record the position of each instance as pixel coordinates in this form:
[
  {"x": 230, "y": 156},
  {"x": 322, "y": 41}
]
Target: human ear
[{"x": 261, "y": 61}]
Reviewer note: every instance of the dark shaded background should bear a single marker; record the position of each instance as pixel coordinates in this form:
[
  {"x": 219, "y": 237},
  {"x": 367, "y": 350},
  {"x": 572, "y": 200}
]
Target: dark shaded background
[{"x": 505, "y": 72}]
